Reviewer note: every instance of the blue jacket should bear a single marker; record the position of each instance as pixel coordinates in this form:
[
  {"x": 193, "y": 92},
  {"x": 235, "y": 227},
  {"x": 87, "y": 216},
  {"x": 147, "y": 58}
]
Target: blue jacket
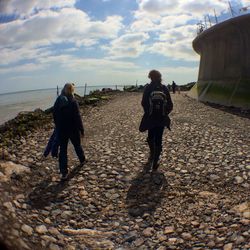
[{"x": 52, "y": 146}]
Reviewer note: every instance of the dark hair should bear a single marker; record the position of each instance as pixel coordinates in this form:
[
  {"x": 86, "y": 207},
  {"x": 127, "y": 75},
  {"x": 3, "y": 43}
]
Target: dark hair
[{"x": 155, "y": 76}]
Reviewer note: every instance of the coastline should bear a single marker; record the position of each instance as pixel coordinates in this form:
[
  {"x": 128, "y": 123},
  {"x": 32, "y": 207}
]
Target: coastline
[
  {"x": 28, "y": 121},
  {"x": 111, "y": 202}
]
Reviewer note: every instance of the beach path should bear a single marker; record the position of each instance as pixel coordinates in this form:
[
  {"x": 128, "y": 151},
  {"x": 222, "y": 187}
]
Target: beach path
[{"x": 199, "y": 199}]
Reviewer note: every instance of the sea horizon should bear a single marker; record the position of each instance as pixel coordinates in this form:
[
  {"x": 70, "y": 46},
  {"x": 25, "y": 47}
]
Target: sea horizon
[{"x": 12, "y": 103}]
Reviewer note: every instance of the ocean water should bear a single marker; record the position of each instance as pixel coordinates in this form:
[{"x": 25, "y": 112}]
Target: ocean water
[{"x": 13, "y": 103}]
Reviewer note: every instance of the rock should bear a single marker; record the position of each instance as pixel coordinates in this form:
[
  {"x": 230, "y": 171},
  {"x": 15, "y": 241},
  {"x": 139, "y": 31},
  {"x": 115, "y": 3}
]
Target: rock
[
  {"x": 49, "y": 238},
  {"x": 148, "y": 232},
  {"x": 186, "y": 236},
  {"x": 9, "y": 168},
  {"x": 239, "y": 179},
  {"x": 246, "y": 214},
  {"x": 54, "y": 231},
  {"x": 53, "y": 246},
  {"x": 228, "y": 246},
  {"x": 239, "y": 240},
  {"x": 243, "y": 209},
  {"x": 27, "y": 229},
  {"x": 206, "y": 194},
  {"x": 66, "y": 214},
  {"x": 168, "y": 230},
  {"x": 9, "y": 206},
  {"x": 22, "y": 244},
  {"x": 130, "y": 237},
  {"x": 138, "y": 242},
  {"x": 41, "y": 229},
  {"x": 172, "y": 240}
]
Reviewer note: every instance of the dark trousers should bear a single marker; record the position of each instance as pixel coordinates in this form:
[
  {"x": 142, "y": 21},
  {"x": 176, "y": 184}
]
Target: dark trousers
[
  {"x": 155, "y": 136},
  {"x": 75, "y": 139}
]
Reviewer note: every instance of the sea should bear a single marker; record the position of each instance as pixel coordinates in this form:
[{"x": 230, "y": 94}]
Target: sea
[{"x": 13, "y": 103}]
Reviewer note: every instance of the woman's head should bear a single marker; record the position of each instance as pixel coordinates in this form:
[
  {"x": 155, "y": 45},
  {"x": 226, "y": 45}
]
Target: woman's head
[
  {"x": 155, "y": 76},
  {"x": 68, "y": 89}
]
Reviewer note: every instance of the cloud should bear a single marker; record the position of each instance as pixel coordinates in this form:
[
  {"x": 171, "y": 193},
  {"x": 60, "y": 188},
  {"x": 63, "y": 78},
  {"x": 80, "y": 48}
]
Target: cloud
[
  {"x": 154, "y": 8},
  {"x": 28, "y": 67},
  {"x": 129, "y": 45},
  {"x": 157, "y": 6},
  {"x": 74, "y": 63},
  {"x": 27, "y": 7},
  {"x": 55, "y": 27},
  {"x": 13, "y": 56},
  {"x": 176, "y": 43}
]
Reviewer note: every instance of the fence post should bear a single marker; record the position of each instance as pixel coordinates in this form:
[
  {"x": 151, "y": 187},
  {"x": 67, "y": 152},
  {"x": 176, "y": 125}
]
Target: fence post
[
  {"x": 115, "y": 87},
  {"x": 57, "y": 90},
  {"x": 85, "y": 89}
]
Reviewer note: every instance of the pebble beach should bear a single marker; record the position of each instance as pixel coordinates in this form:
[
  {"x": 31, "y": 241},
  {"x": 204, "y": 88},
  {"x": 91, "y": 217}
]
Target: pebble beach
[{"x": 198, "y": 199}]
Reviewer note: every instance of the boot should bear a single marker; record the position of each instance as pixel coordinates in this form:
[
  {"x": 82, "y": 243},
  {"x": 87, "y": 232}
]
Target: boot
[{"x": 155, "y": 162}]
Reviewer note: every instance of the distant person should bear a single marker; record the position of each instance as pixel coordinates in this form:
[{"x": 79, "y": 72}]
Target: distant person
[
  {"x": 174, "y": 86},
  {"x": 157, "y": 104},
  {"x": 69, "y": 126}
]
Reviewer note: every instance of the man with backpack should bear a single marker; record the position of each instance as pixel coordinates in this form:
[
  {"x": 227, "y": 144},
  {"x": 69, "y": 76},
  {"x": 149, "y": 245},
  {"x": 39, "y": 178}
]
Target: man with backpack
[{"x": 157, "y": 104}]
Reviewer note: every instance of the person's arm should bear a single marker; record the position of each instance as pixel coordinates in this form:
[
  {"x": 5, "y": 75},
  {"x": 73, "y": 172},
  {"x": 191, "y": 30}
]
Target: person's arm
[
  {"x": 169, "y": 101},
  {"x": 55, "y": 113},
  {"x": 145, "y": 99},
  {"x": 78, "y": 118}
]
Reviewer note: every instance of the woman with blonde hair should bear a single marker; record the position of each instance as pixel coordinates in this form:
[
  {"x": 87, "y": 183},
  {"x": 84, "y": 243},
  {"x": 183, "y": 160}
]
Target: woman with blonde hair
[
  {"x": 157, "y": 104},
  {"x": 69, "y": 126}
]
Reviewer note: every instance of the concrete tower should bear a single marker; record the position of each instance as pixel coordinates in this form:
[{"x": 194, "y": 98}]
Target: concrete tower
[{"x": 224, "y": 73}]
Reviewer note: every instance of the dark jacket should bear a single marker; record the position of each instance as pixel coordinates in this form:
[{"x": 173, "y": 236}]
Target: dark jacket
[
  {"x": 52, "y": 146},
  {"x": 147, "y": 121},
  {"x": 67, "y": 116}
]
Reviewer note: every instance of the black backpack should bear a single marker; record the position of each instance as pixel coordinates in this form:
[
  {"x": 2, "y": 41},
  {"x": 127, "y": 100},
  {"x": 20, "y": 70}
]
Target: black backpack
[{"x": 158, "y": 103}]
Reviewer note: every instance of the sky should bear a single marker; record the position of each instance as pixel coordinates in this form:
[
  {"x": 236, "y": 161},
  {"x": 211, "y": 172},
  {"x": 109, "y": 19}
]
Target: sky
[{"x": 101, "y": 42}]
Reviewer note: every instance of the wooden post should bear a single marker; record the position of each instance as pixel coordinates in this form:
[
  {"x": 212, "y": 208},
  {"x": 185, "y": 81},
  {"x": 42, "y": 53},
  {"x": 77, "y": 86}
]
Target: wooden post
[
  {"x": 115, "y": 87},
  {"x": 85, "y": 89}
]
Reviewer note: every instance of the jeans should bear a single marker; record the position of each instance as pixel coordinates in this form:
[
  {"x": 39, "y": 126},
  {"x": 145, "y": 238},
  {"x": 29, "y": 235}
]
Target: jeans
[
  {"x": 155, "y": 136},
  {"x": 75, "y": 139}
]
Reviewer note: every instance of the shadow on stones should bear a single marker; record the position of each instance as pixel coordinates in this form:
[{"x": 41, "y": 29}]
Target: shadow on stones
[
  {"x": 232, "y": 110},
  {"x": 47, "y": 191},
  {"x": 146, "y": 192}
]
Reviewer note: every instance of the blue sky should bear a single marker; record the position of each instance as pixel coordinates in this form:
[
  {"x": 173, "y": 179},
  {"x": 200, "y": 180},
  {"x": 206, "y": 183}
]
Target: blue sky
[{"x": 47, "y": 43}]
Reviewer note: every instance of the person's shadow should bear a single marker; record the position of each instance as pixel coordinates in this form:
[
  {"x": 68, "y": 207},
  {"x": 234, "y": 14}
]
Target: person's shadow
[
  {"x": 47, "y": 191},
  {"x": 146, "y": 192}
]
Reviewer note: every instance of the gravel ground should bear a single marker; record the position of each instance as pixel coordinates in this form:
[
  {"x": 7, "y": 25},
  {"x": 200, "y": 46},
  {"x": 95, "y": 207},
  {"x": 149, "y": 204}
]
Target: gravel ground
[{"x": 199, "y": 199}]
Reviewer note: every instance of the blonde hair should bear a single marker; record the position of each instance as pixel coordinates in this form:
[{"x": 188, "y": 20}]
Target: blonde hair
[
  {"x": 68, "y": 89},
  {"x": 155, "y": 75}
]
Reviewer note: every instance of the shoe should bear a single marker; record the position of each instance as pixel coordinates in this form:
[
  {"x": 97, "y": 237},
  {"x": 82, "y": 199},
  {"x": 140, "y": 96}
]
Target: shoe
[
  {"x": 64, "y": 177},
  {"x": 83, "y": 162}
]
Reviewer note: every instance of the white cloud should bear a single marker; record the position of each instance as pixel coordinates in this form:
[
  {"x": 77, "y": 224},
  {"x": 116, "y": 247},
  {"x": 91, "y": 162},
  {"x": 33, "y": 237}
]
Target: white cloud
[
  {"x": 28, "y": 67},
  {"x": 168, "y": 24},
  {"x": 143, "y": 25},
  {"x": 12, "y": 56},
  {"x": 176, "y": 43},
  {"x": 158, "y": 6},
  {"x": 73, "y": 63},
  {"x": 27, "y": 7},
  {"x": 128, "y": 45},
  {"x": 65, "y": 25}
]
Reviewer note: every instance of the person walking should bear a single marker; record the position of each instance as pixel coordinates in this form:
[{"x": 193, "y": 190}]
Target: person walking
[
  {"x": 174, "y": 86},
  {"x": 69, "y": 126},
  {"x": 157, "y": 105}
]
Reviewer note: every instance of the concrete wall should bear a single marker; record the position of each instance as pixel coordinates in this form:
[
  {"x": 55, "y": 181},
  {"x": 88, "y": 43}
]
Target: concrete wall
[{"x": 224, "y": 73}]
